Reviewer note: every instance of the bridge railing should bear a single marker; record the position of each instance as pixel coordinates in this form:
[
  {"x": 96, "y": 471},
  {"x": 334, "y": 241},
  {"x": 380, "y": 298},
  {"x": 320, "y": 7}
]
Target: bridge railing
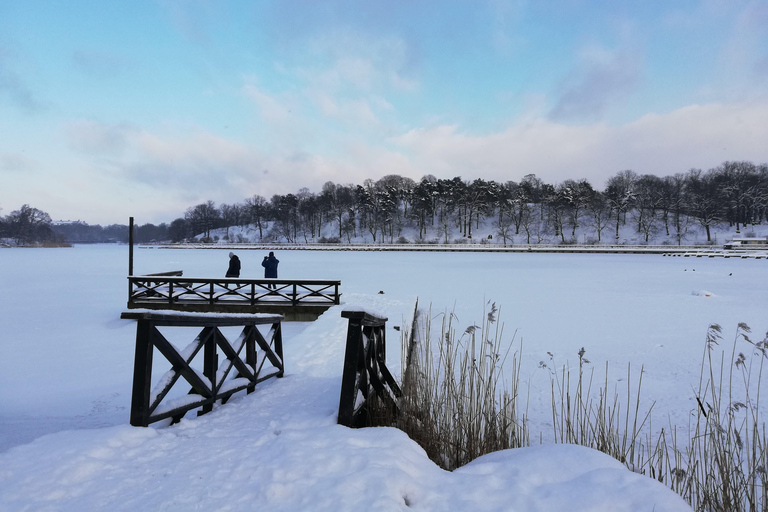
[
  {"x": 159, "y": 290},
  {"x": 245, "y": 361},
  {"x": 365, "y": 371}
]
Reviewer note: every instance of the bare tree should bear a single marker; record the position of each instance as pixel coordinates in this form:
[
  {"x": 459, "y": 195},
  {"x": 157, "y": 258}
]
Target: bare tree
[
  {"x": 504, "y": 228},
  {"x": 257, "y": 208},
  {"x": 203, "y": 218},
  {"x": 229, "y": 216},
  {"x": 286, "y": 213},
  {"x": 178, "y": 230},
  {"x": 599, "y": 213},
  {"x": 703, "y": 200},
  {"x": 27, "y": 225}
]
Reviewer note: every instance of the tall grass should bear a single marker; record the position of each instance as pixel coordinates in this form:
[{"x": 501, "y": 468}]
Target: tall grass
[
  {"x": 459, "y": 404},
  {"x": 602, "y": 422},
  {"x": 725, "y": 461}
]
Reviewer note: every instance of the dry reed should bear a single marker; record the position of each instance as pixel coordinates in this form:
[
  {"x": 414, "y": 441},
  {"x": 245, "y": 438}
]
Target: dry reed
[{"x": 458, "y": 404}]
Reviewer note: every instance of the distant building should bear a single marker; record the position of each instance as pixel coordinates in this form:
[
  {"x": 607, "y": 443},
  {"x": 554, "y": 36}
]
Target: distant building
[{"x": 747, "y": 243}]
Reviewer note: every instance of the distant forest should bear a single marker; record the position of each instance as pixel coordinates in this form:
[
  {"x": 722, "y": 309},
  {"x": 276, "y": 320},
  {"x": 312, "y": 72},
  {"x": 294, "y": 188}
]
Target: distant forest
[{"x": 447, "y": 210}]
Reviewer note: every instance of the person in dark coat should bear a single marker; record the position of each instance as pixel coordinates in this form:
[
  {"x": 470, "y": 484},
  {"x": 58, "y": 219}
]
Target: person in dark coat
[
  {"x": 234, "y": 266},
  {"x": 270, "y": 268}
]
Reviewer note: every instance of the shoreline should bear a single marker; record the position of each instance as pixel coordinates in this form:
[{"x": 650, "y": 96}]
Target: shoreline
[{"x": 665, "y": 250}]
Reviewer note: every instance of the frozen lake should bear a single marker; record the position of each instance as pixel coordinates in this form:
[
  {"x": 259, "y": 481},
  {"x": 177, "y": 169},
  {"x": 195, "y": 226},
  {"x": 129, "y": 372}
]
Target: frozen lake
[{"x": 67, "y": 357}]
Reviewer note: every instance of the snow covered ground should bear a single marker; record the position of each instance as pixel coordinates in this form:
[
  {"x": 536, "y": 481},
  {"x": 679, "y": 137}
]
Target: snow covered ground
[{"x": 67, "y": 359}]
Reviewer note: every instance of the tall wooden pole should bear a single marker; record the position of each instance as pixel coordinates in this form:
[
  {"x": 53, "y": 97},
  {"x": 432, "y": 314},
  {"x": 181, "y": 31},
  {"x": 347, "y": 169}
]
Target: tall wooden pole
[{"x": 130, "y": 246}]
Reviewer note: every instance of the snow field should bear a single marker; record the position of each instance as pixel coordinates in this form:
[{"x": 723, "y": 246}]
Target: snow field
[
  {"x": 280, "y": 448},
  {"x": 67, "y": 364}
]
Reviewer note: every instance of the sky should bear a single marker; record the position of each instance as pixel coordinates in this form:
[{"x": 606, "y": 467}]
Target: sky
[{"x": 145, "y": 108}]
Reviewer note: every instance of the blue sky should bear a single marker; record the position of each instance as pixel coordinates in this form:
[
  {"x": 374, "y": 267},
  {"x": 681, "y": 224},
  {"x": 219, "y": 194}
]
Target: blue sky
[{"x": 145, "y": 108}]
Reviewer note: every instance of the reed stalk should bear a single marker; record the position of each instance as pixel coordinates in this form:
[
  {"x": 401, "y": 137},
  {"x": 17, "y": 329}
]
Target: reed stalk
[{"x": 461, "y": 400}]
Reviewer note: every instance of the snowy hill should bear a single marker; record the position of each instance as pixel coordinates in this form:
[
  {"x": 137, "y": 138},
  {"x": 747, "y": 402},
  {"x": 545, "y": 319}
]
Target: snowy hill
[{"x": 487, "y": 233}]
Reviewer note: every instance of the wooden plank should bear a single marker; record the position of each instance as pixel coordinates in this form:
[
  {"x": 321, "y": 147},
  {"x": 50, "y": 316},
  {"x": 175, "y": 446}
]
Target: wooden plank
[
  {"x": 200, "y": 319},
  {"x": 275, "y": 356}
]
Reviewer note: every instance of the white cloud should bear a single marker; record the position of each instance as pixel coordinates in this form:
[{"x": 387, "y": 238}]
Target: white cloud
[
  {"x": 91, "y": 136},
  {"x": 746, "y": 51},
  {"x": 351, "y": 112},
  {"x": 17, "y": 163},
  {"x": 600, "y": 79},
  {"x": 271, "y": 109},
  {"x": 16, "y": 88},
  {"x": 696, "y": 136},
  {"x": 351, "y": 60},
  {"x": 155, "y": 175},
  {"x": 507, "y": 16}
]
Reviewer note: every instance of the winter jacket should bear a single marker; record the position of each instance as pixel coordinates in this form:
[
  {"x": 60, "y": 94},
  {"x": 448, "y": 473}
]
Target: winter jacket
[
  {"x": 234, "y": 267},
  {"x": 270, "y": 267}
]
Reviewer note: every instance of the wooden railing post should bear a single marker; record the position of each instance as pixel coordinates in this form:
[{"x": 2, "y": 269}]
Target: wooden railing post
[
  {"x": 142, "y": 374},
  {"x": 210, "y": 365},
  {"x": 278, "y": 342},
  {"x": 349, "y": 377},
  {"x": 365, "y": 371}
]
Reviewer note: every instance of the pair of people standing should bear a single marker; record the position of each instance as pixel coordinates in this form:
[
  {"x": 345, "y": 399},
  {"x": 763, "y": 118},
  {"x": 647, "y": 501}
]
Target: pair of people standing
[{"x": 269, "y": 264}]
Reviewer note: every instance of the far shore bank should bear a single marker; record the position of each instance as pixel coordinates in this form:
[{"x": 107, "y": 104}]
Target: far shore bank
[{"x": 683, "y": 250}]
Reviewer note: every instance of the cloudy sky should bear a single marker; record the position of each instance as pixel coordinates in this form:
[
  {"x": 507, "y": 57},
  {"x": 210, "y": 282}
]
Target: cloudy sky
[{"x": 144, "y": 108}]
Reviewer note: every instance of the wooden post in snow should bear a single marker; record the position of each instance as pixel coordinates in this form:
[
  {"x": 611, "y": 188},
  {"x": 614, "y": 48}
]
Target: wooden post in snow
[{"x": 130, "y": 246}]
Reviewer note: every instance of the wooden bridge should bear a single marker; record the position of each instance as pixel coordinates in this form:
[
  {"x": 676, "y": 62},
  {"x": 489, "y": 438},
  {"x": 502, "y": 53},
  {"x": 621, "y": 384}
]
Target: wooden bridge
[{"x": 295, "y": 300}]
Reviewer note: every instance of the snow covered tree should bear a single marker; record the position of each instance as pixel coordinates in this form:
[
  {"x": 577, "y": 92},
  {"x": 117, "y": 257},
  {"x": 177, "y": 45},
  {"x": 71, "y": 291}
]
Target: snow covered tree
[
  {"x": 337, "y": 200},
  {"x": 620, "y": 195},
  {"x": 648, "y": 198},
  {"x": 423, "y": 199}
]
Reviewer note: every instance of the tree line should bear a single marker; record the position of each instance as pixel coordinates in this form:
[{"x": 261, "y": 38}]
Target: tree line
[{"x": 446, "y": 210}]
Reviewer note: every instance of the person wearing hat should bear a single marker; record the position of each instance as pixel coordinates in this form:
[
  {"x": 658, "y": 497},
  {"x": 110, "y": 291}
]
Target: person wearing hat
[{"x": 234, "y": 266}]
